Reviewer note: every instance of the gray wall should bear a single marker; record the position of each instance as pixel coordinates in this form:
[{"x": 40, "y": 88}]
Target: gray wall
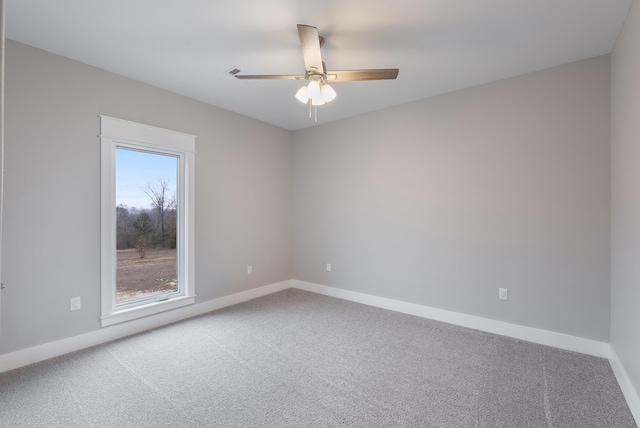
[
  {"x": 625, "y": 197},
  {"x": 442, "y": 201},
  {"x": 437, "y": 202},
  {"x": 52, "y": 192}
]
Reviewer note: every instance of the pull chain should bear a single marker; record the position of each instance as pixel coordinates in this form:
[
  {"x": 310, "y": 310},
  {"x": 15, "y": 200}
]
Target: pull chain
[{"x": 315, "y": 109}]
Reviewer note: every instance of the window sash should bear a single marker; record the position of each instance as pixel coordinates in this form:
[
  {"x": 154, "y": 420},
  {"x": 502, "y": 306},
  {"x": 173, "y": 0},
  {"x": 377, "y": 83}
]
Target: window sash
[{"x": 179, "y": 226}]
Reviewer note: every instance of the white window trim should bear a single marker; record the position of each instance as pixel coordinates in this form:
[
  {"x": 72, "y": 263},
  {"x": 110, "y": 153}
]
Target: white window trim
[{"x": 117, "y": 132}]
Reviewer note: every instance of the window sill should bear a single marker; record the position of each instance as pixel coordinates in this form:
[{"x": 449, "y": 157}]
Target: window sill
[{"x": 145, "y": 310}]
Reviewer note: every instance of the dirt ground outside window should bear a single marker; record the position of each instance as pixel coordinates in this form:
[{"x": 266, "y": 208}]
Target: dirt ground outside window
[{"x": 137, "y": 278}]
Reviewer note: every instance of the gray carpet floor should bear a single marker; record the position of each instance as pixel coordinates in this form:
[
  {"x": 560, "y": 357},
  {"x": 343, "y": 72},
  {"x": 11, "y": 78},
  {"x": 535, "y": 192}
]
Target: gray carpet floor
[{"x": 297, "y": 359}]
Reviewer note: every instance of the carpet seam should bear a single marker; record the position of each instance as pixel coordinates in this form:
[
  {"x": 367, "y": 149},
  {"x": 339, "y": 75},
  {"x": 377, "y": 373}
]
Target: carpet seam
[
  {"x": 151, "y": 385},
  {"x": 545, "y": 393}
]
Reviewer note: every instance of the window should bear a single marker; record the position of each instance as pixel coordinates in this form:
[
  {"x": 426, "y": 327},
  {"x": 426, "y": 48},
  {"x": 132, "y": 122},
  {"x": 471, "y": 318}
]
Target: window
[{"x": 147, "y": 220}]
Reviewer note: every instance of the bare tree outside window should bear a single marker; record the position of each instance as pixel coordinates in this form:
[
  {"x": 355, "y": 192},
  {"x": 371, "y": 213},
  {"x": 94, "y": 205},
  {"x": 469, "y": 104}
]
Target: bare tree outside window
[{"x": 163, "y": 203}]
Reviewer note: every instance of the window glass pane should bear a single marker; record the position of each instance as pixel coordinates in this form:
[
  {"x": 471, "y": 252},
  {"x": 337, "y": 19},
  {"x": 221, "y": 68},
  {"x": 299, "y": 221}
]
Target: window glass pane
[{"x": 146, "y": 220}]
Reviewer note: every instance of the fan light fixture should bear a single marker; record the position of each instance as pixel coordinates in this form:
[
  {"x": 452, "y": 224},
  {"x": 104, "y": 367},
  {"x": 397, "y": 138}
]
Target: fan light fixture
[{"x": 317, "y": 91}]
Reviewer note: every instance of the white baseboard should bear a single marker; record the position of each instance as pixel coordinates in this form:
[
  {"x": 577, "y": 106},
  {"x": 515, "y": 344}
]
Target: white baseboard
[
  {"x": 530, "y": 334},
  {"x": 45, "y": 351},
  {"x": 629, "y": 392}
]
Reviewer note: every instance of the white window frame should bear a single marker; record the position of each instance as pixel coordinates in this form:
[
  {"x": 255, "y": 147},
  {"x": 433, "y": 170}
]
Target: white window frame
[{"x": 122, "y": 133}]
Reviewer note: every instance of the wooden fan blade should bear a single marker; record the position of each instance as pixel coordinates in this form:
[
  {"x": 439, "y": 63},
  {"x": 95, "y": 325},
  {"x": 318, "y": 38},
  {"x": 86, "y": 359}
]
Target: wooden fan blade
[
  {"x": 370, "y": 74},
  {"x": 269, "y": 76},
  {"x": 310, "y": 44}
]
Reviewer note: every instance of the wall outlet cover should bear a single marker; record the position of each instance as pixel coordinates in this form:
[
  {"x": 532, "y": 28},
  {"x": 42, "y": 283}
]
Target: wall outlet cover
[{"x": 74, "y": 303}]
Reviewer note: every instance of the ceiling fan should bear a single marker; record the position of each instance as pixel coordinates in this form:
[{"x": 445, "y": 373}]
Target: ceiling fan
[{"x": 318, "y": 92}]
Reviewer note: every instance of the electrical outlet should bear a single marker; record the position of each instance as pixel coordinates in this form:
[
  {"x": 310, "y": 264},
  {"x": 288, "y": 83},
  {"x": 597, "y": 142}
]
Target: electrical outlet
[
  {"x": 328, "y": 267},
  {"x": 249, "y": 270},
  {"x": 503, "y": 294},
  {"x": 74, "y": 303}
]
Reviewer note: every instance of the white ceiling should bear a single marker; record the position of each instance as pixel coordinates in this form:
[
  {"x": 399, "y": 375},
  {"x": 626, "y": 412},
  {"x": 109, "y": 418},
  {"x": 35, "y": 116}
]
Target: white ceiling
[{"x": 439, "y": 46}]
